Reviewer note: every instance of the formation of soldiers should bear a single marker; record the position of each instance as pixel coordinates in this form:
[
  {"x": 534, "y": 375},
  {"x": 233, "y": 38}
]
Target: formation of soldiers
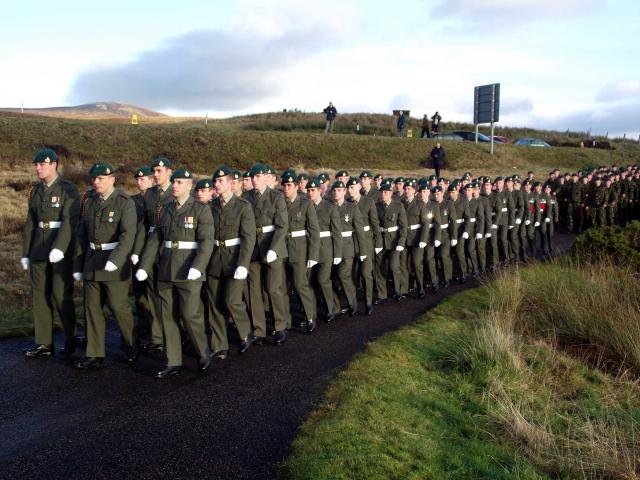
[{"x": 255, "y": 249}]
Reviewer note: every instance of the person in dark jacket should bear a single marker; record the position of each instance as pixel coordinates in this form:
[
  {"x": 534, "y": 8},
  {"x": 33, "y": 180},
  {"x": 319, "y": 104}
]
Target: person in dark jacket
[
  {"x": 402, "y": 124},
  {"x": 425, "y": 127},
  {"x": 331, "y": 113},
  {"x": 437, "y": 156}
]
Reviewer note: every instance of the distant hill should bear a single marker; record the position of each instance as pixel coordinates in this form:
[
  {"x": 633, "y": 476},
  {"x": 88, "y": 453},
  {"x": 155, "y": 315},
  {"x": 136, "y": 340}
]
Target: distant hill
[{"x": 93, "y": 111}]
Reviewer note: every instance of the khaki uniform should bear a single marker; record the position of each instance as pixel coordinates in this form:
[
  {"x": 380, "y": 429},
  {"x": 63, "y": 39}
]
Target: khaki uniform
[
  {"x": 393, "y": 228},
  {"x": 182, "y": 239},
  {"x": 51, "y": 223},
  {"x": 449, "y": 229},
  {"x": 330, "y": 231},
  {"x": 432, "y": 223},
  {"x": 144, "y": 305},
  {"x": 371, "y": 239},
  {"x": 106, "y": 232},
  {"x": 514, "y": 234},
  {"x": 476, "y": 229},
  {"x": 352, "y": 231},
  {"x": 412, "y": 257},
  {"x": 463, "y": 221}
]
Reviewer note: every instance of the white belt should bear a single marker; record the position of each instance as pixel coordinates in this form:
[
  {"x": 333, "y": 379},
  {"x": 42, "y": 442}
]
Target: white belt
[
  {"x": 493, "y": 214},
  {"x": 444, "y": 226},
  {"x": 151, "y": 229},
  {"x": 415, "y": 226},
  {"x": 325, "y": 234},
  {"x": 459, "y": 220},
  {"x": 103, "y": 246},
  {"x": 348, "y": 233},
  {"x": 504, "y": 209},
  {"x": 390, "y": 229},
  {"x": 178, "y": 245},
  {"x": 49, "y": 224},
  {"x": 227, "y": 243},
  {"x": 431, "y": 225},
  {"x": 366, "y": 228},
  {"x": 297, "y": 233},
  {"x": 472, "y": 220},
  {"x": 267, "y": 228}
]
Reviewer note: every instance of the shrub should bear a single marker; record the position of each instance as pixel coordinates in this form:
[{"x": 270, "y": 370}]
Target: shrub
[{"x": 620, "y": 245}]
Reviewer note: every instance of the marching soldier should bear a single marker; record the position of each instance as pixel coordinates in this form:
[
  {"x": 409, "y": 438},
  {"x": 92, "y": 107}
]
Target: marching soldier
[
  {"x": 303, "y": 243},
  {"x": 431, "y": 225},
  {"x": 523, "y": 201},
  {"x": 203, "y": 191},
  {"x": 476, "y": 223},
  {"x": 549, "y": 220},
  {"x": 303, "y": 178},
  {"x": 393, "y": 227},
  {"x": 48, "y": 247},
  {"x": 368, "y": 189},
  {"x": 343, "y": 176},
  {"x": 515, "y": 215},
  {"x": 463, "y": 221},
  {"x": 182, "y": 241},
  {"x": 504, "y": 219},
  {"x": 105, "y": 240},
  {"x": 412, "y": 258},
  {"x": 449, "y": 232},
  {"x": 268, "y": 256},
  {"x": 228, "y": 269},
  {"x": 598, "y": 201}
]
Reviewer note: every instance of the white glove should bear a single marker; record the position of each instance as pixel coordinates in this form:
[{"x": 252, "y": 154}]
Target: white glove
[
  {"x": 271, "y": 256},
  {"x": 25, "y": 262},
  {"x": 311, "y": 263},
  {"x": 422, "y": 245},
  {"x": 510, "y": 227},
  {"x": 494, "y": 227},
  {"x": 77, "y": 276},
  {"x": 547, "y": 220},
  {"x": 399, "y": 248},
  {"x": 454, "y": 243},
  {"x": 377, "y": 250},
  {"x": 135, "y": 258},
  {"x": 240, "y": 273},
  {"x": 110, "y": 266},
  {"x": 194, "y": 274},
  {"x": 437, "y": 243},
  {"x": 337, "y": 260},
  {"x": 527, "y": 222},
  {"x": 518, "y": 221},
  {"x": 537, "y": 224},
  {"x": 362, "y": 258},
  {"x": 55, "y": 255},
  {"x": 478, "y": 236},
  {"x": 487, "y": 235},
  {"x": 465, "y": 235},
  {"x": 141, "y": 275}
]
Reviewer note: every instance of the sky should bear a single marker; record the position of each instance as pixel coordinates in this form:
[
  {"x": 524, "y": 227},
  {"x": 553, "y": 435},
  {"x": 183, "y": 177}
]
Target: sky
[{"x": 562, "y": 64}]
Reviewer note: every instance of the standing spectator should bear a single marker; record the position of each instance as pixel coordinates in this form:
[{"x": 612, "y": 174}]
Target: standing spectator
[
  {"x": 425, "y": 127},
  {"x": 437, "y": 157},
  {"x": 435, "y": 123},
  {"x": 402, "y": 123},
  {"x": 331, "y": 113}
]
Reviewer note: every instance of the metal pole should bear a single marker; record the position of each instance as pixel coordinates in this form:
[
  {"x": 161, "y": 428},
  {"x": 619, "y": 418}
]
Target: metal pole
[
  {"x": 491, "y": 138},
  {"x": 476, "y": 133}
]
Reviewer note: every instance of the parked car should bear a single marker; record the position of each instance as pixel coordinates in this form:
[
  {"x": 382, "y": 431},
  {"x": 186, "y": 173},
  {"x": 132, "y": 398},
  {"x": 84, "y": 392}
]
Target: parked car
[
  {"x": 500, "y": 139},
  {"x": 532, "y": 142},
  {"x": 471, "y": 136},
  {"x": 446, "y": 136}
]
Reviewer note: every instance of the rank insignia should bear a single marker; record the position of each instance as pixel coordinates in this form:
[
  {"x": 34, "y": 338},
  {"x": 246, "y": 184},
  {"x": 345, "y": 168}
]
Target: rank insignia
[
  {"x": 346, "y": 217},
  {"x": 430, "y": 215}
]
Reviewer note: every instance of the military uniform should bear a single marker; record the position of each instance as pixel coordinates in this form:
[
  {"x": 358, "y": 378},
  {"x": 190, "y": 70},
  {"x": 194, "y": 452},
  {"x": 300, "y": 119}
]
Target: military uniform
[
  {"x": 393, "y": 227},
  {"x": 449, "y": 232},
  {"x": 432, "y": 225},
  {"x": 52, "y": 218},
  {"x": 517, "y": 203},
  {"x": 412, "y": 257},
  {"x": 463, "y": 221}
]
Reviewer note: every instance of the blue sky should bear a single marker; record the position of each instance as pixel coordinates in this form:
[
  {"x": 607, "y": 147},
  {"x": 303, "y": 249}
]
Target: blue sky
[{"x": 561, "y": 64}]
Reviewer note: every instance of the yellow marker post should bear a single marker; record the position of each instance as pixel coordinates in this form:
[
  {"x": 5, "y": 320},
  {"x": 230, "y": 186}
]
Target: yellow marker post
[
  {"x": 410, "y": 133},
  {"x": 134, "y": 119}
]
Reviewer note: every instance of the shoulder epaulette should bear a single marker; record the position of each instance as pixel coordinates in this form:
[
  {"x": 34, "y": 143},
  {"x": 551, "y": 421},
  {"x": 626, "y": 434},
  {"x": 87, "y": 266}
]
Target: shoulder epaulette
[{"x": 33, "y": 187}]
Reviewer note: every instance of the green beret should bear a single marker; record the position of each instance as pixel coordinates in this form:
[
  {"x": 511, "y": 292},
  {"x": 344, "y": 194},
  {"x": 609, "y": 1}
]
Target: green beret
[
  {"x": 399, "y": 180},
  {"x": 488, "y": 181},
  {"x": 323, "y": 177},
  {"x": 536, "y": 184},
  {"x": 526, "y": 181},
  {"x": 143, "y": 172},
  {"x": 289, "y": 176},
  {"x": 437, "y": 188},
  {"x": 386, "y": 187},
  {"x": 468, "y": 186},
  {"x": 377, "y": 176},
  {"x": 342, "y": 173},
  {"x": 272, "y": 170},
  {"x": 303, "y": 176},
  {"x": 453, "y": 187},
  {"x": 508, "y": 179},
  {"x": 258, "y": 169},
  {"x": 423, "y": 186},
  {"x": 446, "y": 180},
  {"x": 353, "y": 181},
  {"x": 181, "y": 172},
  {"x": 388, "y": 180},
  {"x": 236, "y": 174},
  {"x": 246, "y": 174},
  {"x": 409, "y": 182},
  {"x": 45, "y": 155},
  {"x": 431, "y": 178},
  {"x": 313, "y": 183},
  {"x": 101, "y": 169},
  {"x": 203, "y": 183},
  {"x": 498, "y": 179},
  {"x": 161, "y": 162},
  {"x": 516, "y": 180},
  {"x": 366, "y": 174},
  {"x": 337, "y": 184},
  {"x": 221, "y": 171}
]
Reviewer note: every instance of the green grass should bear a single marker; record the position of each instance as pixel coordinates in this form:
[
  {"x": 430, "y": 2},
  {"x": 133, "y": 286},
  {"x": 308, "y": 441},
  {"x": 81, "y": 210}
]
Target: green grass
[{"x": 465, "y": 393}]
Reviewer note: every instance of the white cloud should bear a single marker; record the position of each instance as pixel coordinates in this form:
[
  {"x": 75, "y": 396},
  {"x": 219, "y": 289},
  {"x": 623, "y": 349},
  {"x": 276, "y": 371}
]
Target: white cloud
[{"x": 619, "y": 91}]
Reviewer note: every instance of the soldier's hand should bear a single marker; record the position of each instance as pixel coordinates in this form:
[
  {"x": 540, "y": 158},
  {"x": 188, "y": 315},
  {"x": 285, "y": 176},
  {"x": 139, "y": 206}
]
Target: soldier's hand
[
  {"x": 377, "y": 250},
  {"x": 547, "y": 220},
  {"x": 518, "y": 221},
  {"x": 362, "y": 258},
  {"x": 271, "y": 256},
  {"x": 25, "y": 262},
  {"x": 494, "y": 227},
  {"x": 537, "y": 224},
  {"x": 487, "y": 235},
  {"x": 141, "y": 275},
  {"x": 194, "y": 274},
  {"x": 528, "y": 222},
  {"x": 337, "y": 260},
  {"x": 311, "y": 263},
  {"x": 110, "y": 266},
  {"x": 478, "y": 236},
  {"x": 465, "y": 235},
  {"x": 510, "y": 227},
  {"x": 77, "y": 276},
  {"x": 422, "y": 244},
  {"x": 399, "y": 248},
  {"x": 454, "y": 242},
  {"x": 437, "y": 243},
  {"x": 135, "y": 258},
  {"x": 240, "y": 273},
  {"x": 55, "y": 255}
]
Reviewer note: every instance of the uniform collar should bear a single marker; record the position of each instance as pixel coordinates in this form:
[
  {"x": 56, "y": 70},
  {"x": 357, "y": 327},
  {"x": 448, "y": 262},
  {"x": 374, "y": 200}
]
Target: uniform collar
[
  {"x": 48, "y": 185},
  {"x": 108, "y": 195},
  {"x": 183, "y": 201}
]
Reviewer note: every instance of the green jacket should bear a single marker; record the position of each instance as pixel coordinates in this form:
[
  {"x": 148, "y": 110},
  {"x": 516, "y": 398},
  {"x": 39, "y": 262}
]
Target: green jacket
[
  {"x": 449, "y": 226},
  {"x": 58, "y": 203},
  {"x": 432, "y": 222},
  {"x": 270, "y": 211},
  {"x": 302, "y": 217},
  {"x": 142, "y": 228},
  {"x": 393, "y": 224},
  {"x": 476, "y": 212},
  {"x": 371, "y": 226},
  {"x": 191, "y": 222},
  {"x": 109, "y": 222},
  {"x": 330, "y": 231},
  {"x": 463, "y": 216},
  {"x": 154, "y": 200},
  {"x": 235, "y": 220},
  {"x": 351, "y": 227},
  {"x": 417, "y": 230}
]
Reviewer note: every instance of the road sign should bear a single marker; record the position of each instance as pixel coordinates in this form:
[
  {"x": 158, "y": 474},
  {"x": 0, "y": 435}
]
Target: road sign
[{"x": 486, "y": 101}]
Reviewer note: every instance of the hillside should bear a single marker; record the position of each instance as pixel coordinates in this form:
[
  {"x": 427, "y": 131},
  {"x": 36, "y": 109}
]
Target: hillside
[{"x": 98, "y": 110}]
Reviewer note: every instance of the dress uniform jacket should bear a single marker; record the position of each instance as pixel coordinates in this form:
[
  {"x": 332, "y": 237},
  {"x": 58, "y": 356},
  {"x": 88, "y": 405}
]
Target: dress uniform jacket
[
  {"x": 373, "y": 194},
  {"x": 351, "y": 227},
  {"x": 330, "y": 232},
  {"x": 393, "y": 224},
  {"x": 371, "y": 226},
  {"x": 271, "y": 222},
  {"x": 142, "y": 228},
  {"x": 417, "y": 231},
  {"x": 303, "y": 237},
  {"x": 154, "y": 200}
]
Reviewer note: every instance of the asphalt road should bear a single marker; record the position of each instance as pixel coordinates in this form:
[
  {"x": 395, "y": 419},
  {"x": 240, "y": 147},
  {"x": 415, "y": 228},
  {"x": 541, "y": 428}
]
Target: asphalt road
[{"x": 235, "y": 422}]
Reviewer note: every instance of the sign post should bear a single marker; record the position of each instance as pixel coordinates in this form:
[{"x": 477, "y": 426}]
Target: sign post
[{"x": 486, "y": 107}]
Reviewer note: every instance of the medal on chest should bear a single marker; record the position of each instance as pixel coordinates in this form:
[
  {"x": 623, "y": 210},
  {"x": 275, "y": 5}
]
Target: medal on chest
[
  {"x": 346, "y": 217},
  {"x": 55, "y": 202},
  {"x": 188, "y": 222},
  {"x": 430, "y": 215},
  {"x": 110, "y": 219}
]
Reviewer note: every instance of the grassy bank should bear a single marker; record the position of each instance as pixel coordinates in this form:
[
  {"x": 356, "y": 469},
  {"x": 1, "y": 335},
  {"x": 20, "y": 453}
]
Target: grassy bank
[{"x": 533, "y": 376}]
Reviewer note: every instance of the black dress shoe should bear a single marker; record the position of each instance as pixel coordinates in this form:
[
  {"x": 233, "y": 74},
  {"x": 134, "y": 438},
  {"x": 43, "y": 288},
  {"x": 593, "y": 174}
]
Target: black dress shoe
[
  {"x": 445, "y": 284},
  {"x": 81, "y": 340},
  {"x": 168, "y": 372},
  {"x": 220, "y": 354},
  {"x": 133, "y": 353},
  {"x": 68, "y": 349},
  {"x": 368, "y": 310},
  {"x": 421, "y": 294},
  {"x": 311, "y": 325},
  {"x": 399, "y": 296},
  {"x": 89, "y": 362},
  {"x": 204, "y": 363},
  {"x": 379, "y": 301},
  {"x": 39, "y": 351},
  {"x": 152, "y": 347},
  {"x": 246, "y": 343},
  {"x": 353, "y": 312},
  {"x": 330, "y": 318},
  {"x": 463, "y": 279},
  {"x": 279, "y": 337},
  {"x": 435, "y": 288}
]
